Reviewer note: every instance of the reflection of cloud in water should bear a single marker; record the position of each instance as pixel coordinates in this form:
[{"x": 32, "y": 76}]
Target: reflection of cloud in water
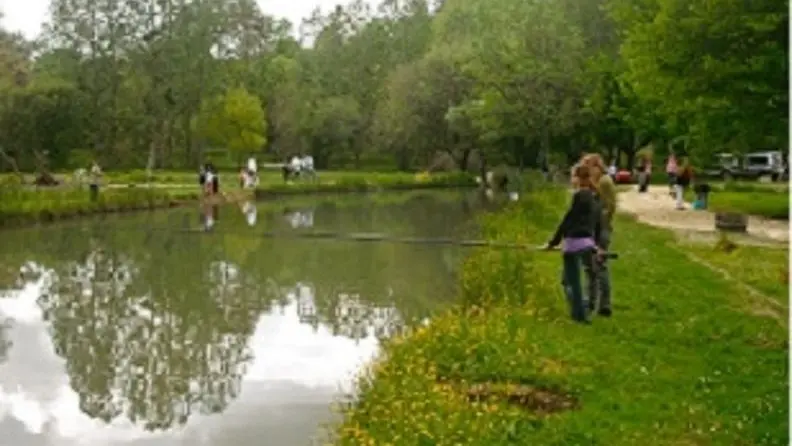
[
  {"x": 352, "y": 316},
  {"x": 296, "y": 372}
]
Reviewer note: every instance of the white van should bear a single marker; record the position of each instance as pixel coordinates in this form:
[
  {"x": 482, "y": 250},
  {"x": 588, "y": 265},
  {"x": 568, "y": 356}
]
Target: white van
[{"x": 770, "y": 163}]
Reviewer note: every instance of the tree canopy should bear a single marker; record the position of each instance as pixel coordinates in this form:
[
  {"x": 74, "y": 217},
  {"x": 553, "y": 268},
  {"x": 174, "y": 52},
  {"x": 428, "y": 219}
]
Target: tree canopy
[{"x": 396, "y": 84}]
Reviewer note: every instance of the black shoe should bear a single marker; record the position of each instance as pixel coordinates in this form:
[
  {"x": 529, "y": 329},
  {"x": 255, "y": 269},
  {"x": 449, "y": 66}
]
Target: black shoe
[{"x": 605, "y": 312}]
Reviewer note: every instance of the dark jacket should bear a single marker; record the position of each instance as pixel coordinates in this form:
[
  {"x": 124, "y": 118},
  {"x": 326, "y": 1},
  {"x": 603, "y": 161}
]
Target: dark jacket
[
  {"x": 583, "y": 219},
  {"x": 685, "y": 177}
]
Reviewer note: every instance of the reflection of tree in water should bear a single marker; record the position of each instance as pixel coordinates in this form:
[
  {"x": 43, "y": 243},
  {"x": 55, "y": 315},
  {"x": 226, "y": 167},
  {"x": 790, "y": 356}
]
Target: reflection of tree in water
[{"x": 150, "y": 340}]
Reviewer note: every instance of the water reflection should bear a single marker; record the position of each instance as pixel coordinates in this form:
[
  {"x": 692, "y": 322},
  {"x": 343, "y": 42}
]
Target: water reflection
[
  {"x": 165, "y": 337},
  {"x": 287, "y": 386},
  {"x": 209, "y": 216},
  {"x": 250, "y": 211},
  {"x": 301, "y": 218},
  {"x": 5, "y": 342}
]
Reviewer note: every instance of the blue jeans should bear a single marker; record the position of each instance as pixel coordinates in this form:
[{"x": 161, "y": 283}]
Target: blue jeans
[{"x": 573, "y": 286}]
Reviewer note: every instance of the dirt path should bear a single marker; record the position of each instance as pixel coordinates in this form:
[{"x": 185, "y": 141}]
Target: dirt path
[{"x": 657, "y": 208}]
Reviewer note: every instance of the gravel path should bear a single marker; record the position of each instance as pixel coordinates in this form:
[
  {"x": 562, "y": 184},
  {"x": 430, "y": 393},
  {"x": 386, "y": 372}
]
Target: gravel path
[{"x": 657, "y": 208}]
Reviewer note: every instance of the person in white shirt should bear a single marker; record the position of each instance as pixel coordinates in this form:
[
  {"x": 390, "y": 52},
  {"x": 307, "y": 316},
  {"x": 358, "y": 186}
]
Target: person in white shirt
[
  {"x": 209, "y": 179},
  {"x": 296, "y": 164},
  {"x": 308, "y": 166},
  {"x": 251, "y": 179},
  {"x": 612, "y": 170}
]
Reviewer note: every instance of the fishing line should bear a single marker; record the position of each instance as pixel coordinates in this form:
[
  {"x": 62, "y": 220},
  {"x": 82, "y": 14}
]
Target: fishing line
[{"x": 349, "y": 237}]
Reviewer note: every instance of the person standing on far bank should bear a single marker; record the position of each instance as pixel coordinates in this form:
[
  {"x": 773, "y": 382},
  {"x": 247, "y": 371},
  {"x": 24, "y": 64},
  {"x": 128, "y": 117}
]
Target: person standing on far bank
[
  {"x": 672, "y": 169},
  {"x": 608, "y": 196},
  {"x": 95, "y": 177},
  {"x": 683, "y": 180}
]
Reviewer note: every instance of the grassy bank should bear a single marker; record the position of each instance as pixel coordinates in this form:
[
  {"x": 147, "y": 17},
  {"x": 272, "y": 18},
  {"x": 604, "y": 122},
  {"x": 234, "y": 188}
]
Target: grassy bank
[
  {"x": 686, "y": 359},
  {"x": 20, "y": 205},
  {"x": 367, "y": 183},
  {"x": 267, "y": 178},
  {"x": 769, "y": 204}
]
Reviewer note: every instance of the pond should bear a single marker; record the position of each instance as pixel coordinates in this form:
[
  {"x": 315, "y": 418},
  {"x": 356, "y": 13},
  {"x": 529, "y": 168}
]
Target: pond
[{"x": 146, "y": 330}]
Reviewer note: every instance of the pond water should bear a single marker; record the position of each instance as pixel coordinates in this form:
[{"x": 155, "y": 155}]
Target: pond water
[{"x": 144, "y": 330}]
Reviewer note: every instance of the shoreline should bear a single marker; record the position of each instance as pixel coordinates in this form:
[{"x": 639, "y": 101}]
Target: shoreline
[
  {"x": 153, "y": 200},
  {"x": 506, "y": 352}
]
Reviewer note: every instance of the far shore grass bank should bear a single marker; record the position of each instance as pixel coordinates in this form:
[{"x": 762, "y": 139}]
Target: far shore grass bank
[
  {"x": 26, "y": 205},
  {"x": 689, "y": 357}
]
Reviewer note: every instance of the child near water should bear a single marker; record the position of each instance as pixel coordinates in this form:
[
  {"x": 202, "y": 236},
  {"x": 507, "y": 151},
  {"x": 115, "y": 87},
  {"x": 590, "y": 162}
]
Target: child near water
[{"x": 579, "y": 232}]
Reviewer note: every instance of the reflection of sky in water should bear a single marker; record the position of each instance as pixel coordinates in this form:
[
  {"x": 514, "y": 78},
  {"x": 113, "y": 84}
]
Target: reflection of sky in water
[{"x": 297, "y": 370}]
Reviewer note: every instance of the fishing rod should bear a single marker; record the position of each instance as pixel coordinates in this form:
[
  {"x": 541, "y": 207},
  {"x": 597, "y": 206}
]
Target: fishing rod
[{"x": 373, "y": 237}]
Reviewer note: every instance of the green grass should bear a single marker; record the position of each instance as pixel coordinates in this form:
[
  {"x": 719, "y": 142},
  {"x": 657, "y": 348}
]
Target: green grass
[
  {"x": 29, "y": 205},
  {"x": 22, "y": 205},
  {"x": 765, "y": 269},
  {"x": 682, "y": 362},
  {"x": 769, "y": 204},
  {"x": 367, "y": 182}
]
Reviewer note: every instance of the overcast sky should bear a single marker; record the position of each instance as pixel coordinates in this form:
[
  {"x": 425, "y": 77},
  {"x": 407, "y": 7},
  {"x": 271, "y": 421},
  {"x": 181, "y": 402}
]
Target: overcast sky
[{"x": 27, "y": 15}]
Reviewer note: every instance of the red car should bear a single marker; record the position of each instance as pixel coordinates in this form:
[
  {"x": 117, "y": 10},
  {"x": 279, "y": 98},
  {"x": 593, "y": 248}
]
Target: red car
[{"x": 623, "y": 177}]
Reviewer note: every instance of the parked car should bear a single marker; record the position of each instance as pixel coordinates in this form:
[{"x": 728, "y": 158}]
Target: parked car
[
  {"x": 623, "y": 176},
  {"x": 759, "y": 164},
  {"x": 725, "y": 166}
]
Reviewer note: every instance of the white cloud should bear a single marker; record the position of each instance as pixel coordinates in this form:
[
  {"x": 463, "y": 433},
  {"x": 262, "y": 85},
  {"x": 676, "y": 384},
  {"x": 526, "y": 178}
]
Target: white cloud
[{"x": 28, "y": 15}]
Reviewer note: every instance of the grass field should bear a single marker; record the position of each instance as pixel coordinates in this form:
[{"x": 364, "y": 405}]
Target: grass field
[
  {"x": 687, "y": 359},
  {"x": 765, "y": 204}
]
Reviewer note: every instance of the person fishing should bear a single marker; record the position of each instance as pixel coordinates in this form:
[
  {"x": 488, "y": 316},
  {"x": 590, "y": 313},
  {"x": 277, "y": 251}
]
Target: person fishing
[
  {"x": 579, "y": 230},
  {"x": 608, "y": 197}
]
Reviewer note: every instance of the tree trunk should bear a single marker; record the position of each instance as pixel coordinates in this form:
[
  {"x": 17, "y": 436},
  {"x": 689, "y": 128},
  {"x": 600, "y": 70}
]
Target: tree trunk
[
  {"x": 14, "y": 166},
  {"x": 463, "y": 160}
]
